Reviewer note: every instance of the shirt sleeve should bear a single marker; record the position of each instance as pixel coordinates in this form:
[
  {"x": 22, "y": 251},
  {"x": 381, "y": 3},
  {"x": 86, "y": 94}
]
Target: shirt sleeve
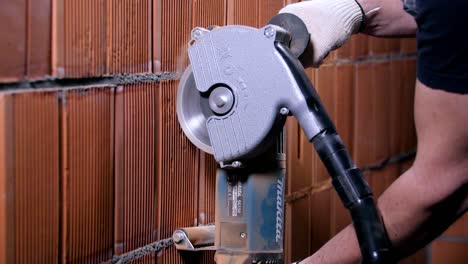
[
  {"x": 442, "y": 44},
  {"x": 410, "y": 7}
]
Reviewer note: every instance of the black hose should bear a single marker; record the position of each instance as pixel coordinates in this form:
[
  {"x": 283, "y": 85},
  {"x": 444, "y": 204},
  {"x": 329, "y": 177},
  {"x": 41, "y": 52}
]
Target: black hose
[
  {"x": 346, "y": 177},
  {"x": 356, "y": 196}
]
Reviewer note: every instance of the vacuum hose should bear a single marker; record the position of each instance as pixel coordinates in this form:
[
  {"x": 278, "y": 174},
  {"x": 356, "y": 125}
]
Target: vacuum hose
[{"x": 356, "y": 197}]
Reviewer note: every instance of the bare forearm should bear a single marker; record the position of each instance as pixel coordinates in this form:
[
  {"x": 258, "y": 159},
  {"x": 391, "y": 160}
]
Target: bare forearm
[
  {"x": 386, "y": 18},
  {"x": 412, "y": 218},
  {"x": 430, "y": 196},
  {"x": 417, "y": 208}
]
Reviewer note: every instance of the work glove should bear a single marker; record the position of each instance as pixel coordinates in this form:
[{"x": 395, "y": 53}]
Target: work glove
[{"x": 330, "y": 24}]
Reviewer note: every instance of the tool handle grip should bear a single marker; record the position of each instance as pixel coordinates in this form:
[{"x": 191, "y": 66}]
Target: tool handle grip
[{"x": 356, "y": 196}]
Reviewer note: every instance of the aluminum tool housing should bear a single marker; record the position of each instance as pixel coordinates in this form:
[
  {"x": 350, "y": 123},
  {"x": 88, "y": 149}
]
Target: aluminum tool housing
[{"x": 245, "y": 60}]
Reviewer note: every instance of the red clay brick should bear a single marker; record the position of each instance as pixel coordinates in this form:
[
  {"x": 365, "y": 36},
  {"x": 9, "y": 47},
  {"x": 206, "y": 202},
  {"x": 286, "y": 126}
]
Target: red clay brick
[
  {"x": 396, "y": 91},
  {"x": 39, "y": 38},
  {"x": 13, "y": 43},
  {"x": 31, "y": 175},
  {"x": 136, "y": 183},
  {"x": 268, "y": 9},
  {"x": 330, "y": 59},
  {"x": 243, "y": 12},
  {"x": 3, "y": 189},
  {"x": 209, "y": 12},
  {"x": 7, "y": 218},
  {"x": 417, "y": 258},
  {"x": 344, "y": 110},
  {"x": 207, "y": 188},
  {"x": 325, "y": 84},
  {"x": 172, "y": 26},
  {"x": 178, "y": 162},
  {"x": 346, "y": 51},
  {"x": 95, "y": 38},
  {"x": 459, "y": 228},
  {"x": 402, "y": 136},
  {"x": 298, "y": 175},
  {"x": 408, "y": 45},
  {"x": 360, "y": 46},
  {"x": 297, "y": 229},
  {"x": 382, "y": 46},
  {"x": 87, "y": 178},
  {"x": 128, "y": 36},
  {"x": 80, "y": 38},
  {"x": 381, "y": 85},
  {"x": 408, "y": 80},
  {"x": 364, "y": 122},
  {"x": 321, "y": 230},
  {"x": 448, "y": 252}
]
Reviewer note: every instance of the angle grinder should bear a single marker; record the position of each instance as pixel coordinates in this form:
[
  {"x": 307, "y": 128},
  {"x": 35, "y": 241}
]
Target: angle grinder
[{"x": 233, "y": 100}]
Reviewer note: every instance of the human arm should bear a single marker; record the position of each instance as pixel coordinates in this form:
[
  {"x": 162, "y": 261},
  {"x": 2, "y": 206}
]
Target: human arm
[
  {"x": 431, "y": 195},
  {"x": 332, "y": 22},
  {"x": 387, "y": 18}
]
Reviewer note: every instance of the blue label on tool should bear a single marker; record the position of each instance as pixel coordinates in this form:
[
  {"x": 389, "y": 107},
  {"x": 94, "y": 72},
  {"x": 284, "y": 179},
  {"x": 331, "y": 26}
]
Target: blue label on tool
[{"x": 235, "y": 199}]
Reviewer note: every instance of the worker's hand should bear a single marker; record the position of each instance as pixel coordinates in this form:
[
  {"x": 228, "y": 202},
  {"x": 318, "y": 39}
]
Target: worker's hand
[{"x": 329, "y": 22}]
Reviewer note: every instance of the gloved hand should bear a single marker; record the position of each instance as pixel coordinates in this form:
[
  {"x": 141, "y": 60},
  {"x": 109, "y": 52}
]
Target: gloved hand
[{"x": 329, "y": 22}]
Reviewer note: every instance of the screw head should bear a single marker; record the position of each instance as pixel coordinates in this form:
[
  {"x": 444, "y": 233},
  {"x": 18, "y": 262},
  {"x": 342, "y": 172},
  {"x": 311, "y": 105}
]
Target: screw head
[
  {"x": 196, "y": 33},
  {"x": 178, "y": 237},
  {"x": 237, "y": 164},
  {"x": 269, "y": 32},
  {"x": 284, "y": 111},
  {"x": 243, "y": 235}
]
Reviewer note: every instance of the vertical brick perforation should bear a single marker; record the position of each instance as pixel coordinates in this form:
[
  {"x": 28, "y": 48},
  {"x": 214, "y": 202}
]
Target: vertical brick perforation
[
  {"x": 135, "y": 167},
  {"x": 243, "y": 12},
  {"x": 129, "y": 36},
  {"x": 39, "y": 42},
  {"x": 268, "y": 9},
  {"x": 178, "y": 171},
  {"x": 173, "y": 24},
  {"x": 13, "y": 43},
  {"x": 88, "y": 175},
  {"x": 30, "y": 173},
  {"x": 209, "y": 13},
  {"x": 84, "y": 41}
]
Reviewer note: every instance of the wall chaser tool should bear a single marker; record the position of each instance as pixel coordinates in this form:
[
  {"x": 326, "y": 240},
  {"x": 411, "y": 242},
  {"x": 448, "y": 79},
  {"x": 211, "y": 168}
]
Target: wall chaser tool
[{"x": 232, "y": 102}]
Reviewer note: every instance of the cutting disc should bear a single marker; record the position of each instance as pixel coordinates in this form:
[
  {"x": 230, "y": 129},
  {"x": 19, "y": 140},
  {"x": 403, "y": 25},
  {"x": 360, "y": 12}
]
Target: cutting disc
[{"x": 192, "y": 111}]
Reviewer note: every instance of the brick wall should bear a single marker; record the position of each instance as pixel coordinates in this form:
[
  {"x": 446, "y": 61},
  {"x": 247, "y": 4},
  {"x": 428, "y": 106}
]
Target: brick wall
[{"x": 93, "y": 162}]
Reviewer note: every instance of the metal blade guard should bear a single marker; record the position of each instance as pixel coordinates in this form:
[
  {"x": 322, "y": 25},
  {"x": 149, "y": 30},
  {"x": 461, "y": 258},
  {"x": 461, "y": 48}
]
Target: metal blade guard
[{"x": 248, "y": 91}]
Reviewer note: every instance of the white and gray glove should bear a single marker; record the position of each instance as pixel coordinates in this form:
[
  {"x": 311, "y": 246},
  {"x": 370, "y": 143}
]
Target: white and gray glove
[{"x": 329, "y": 22}]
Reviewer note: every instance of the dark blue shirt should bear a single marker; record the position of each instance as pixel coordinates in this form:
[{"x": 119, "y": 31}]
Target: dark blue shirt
[{"x": 442, "y": 43}]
